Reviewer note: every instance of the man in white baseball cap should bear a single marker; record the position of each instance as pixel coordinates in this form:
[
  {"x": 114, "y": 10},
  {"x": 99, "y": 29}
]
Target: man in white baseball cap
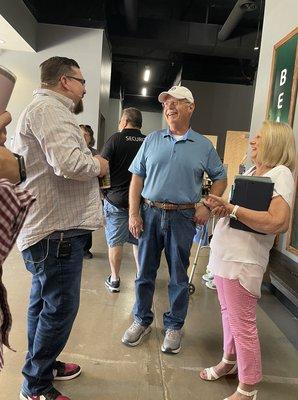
[
  {"x": 179, "y": 92},
  {"x": 167, "y": 172}
]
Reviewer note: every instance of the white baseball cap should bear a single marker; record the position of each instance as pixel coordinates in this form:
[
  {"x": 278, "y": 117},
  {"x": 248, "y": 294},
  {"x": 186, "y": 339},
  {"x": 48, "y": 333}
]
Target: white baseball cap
[{"x": 179, "y": 92}]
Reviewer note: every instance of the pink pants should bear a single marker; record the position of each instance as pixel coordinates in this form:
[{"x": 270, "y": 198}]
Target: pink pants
[{"x": 238, "y": 309}]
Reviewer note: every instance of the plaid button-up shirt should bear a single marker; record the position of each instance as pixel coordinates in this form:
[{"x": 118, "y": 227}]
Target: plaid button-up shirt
[{"x": 61, "y": 172}]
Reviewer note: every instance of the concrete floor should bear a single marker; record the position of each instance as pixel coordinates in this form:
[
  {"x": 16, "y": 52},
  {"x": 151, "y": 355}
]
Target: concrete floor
[{"x": 112, "y": 371}]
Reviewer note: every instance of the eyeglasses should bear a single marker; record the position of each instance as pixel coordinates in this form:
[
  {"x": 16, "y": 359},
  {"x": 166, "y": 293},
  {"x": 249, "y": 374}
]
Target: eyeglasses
[
  {"x": 82, "y": 81},
  {"x": 174, "y": 103}
]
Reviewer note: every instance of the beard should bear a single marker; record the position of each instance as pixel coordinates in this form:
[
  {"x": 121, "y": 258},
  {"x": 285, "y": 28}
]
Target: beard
[{"x": 79, "y": 107}]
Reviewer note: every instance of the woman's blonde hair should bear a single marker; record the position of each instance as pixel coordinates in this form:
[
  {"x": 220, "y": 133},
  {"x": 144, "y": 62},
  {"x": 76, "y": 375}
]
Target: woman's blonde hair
[{"x": 277, "y": 145}]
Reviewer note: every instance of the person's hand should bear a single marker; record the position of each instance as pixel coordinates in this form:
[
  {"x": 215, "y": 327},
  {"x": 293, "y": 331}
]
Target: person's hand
[
  {"x": 202, "y": 214},
  {"x": 219, "y": 206},
  {"x": 9, "y": 166},
  {"x": 215, "y": 201},
  {"x": 220, "y": 212},
  {"x": 135, "y": 224},
  {"x": 5, "y": 119},
  {"x": 104, "y": 165}
]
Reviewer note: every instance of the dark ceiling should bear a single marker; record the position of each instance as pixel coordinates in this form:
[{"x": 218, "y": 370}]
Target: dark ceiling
[{"x": 173, "y": 37}]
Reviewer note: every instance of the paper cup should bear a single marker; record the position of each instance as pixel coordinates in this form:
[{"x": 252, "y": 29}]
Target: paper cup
[
  {"x": 7, "y": 82},
  {"x": 105, "y": 181}
]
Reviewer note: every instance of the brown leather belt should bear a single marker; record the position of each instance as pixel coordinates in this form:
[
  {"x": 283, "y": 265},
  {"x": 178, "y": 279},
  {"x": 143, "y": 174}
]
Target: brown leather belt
[{"x": 170, "y": 206}]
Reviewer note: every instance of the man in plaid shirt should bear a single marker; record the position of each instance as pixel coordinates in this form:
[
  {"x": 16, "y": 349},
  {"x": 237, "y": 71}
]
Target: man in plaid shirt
[{"x": 62, "y": 175}]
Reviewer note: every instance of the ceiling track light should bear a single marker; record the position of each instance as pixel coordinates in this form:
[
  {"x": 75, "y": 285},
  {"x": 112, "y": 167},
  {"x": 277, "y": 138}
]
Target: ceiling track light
[
  {"x": 147, "y": 73},
  {"x": 144, "y": 91}
]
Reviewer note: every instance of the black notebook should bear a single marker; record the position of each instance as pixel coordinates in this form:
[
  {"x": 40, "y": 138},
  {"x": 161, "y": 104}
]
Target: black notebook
[{"x": 254, "y": 192}]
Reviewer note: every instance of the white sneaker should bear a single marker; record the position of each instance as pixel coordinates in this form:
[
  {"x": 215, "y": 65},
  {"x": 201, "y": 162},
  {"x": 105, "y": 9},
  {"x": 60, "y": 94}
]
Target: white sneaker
[
  {"x": 211, "y": 285},
  {"x": 208, "y": 276}
]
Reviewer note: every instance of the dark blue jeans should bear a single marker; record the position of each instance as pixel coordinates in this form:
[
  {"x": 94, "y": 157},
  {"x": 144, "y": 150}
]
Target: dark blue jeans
[
  {"x": 172, "y": 231},
  {"x": 53, "y": 306}
]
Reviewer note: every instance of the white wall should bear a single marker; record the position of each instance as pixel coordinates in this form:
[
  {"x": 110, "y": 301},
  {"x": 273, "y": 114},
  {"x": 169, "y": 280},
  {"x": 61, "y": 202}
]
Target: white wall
[
  {"x": 82, "y": 44},
  {"x": 220, "y": 107},
  {"x": 152, "y": 121},
  {"x": 280, "y": 18}
]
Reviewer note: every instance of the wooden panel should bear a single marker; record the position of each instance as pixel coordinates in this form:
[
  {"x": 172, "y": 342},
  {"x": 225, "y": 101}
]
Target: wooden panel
[
  {"x": 213, "y": 139},
  {"x": 235, "y": 151}
]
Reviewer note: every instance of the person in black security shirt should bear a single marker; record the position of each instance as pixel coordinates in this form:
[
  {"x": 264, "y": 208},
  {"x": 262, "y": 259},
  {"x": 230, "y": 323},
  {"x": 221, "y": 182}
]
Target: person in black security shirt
[{"x": 120, "y": 150}]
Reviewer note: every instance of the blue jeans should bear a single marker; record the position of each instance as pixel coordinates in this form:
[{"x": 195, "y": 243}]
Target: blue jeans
[
  {"x": 53, "y": 306},
  {"x": 172, "y": 231}
]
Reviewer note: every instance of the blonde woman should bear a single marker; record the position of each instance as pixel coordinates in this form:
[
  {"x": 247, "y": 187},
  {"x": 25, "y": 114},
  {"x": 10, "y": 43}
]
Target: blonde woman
[{"x": 239, "y": 258}]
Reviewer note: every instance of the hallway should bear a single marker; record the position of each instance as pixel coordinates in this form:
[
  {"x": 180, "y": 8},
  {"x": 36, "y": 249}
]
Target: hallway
[{"x": 112, "y": 371}]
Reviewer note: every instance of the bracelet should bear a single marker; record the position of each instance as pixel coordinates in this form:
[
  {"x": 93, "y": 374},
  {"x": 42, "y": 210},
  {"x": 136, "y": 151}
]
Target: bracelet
[{"x": 233, "y": 213}]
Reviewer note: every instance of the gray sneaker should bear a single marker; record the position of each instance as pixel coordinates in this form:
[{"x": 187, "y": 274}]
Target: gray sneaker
[
  {"x": 135, "y": 333},
  {"x": 172, "y": 341}
]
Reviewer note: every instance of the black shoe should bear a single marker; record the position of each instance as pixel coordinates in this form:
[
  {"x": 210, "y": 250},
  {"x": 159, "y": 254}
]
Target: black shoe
[
  {"x": 113, "y": 286},
  {"x": 88, "y": 255}
]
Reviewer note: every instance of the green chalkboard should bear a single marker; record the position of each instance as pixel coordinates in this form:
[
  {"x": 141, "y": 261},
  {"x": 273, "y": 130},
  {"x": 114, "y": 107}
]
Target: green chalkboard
[
  {"x": 282, "y": 102},
  {"x": 283, "y": 88}
]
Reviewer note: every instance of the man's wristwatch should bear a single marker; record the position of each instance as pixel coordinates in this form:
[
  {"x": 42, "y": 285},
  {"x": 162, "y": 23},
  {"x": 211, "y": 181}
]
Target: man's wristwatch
[
  {"x": 233, "y": 213},
  {"x": 22, "y": 168}
]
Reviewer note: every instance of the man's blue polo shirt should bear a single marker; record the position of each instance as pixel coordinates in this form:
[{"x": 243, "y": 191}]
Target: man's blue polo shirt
[{"x": 173, "y": 170}]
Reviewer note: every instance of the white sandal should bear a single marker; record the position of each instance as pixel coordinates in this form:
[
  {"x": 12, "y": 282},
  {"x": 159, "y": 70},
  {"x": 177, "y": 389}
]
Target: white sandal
[
  {"x": 212, "y": 375},
  {"x": 248, "y": 394}
]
